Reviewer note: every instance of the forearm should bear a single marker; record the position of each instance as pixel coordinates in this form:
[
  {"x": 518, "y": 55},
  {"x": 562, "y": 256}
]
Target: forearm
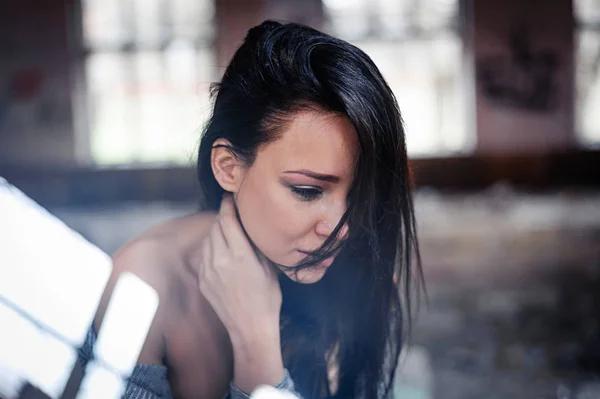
[{"x": 257, "y": 359}]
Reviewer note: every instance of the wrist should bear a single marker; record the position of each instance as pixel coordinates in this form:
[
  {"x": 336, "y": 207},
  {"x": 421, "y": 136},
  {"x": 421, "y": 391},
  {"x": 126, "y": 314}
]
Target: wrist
[
  {"x": 257, "y": 347},
  {"x": 257, "y": 358},
  {"x": 250, "y": 335}
]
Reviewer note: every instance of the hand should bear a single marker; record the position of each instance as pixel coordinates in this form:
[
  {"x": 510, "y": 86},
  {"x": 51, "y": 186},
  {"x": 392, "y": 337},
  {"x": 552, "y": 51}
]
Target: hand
[
  {"x": 246, "y": 296},
  {"x": 244, "y": 293}
]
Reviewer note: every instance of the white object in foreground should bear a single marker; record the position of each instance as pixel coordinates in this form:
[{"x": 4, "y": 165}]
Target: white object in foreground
[
  {"x": 51, "y": 281},
  {"x": 268, "y": 392},
  {"x": 46, "y": 269},
  {"x": 127, "y": 320}
]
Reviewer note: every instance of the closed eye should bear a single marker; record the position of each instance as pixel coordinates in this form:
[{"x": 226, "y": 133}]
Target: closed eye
[{"x": 307, "y": 193}]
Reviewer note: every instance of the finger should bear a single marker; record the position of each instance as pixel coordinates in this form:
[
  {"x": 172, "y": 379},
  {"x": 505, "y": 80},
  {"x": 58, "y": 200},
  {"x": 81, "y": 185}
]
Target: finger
[
  {"x": 217, "y": 235},
  {"x": 206, "y": 258},
  {"x": 231, "y": 228},
  {"x": 205, "y": 272}
]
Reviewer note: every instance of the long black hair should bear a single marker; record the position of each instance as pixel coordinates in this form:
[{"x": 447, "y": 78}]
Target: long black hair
[{"x": 357, "y": 314}]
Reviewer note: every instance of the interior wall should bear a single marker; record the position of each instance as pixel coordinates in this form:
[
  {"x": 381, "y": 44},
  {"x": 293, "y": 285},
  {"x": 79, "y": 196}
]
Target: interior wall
[
  {"x": 235, "y": 17},
  {"x": 523, "y": 55},
  {"x": 36, "y": 120}
]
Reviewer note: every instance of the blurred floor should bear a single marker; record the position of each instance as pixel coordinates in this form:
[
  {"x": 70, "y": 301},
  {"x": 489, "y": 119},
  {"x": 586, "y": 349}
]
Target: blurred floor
[
  {"x": 513, "y": 282},
  {"x": 514, "y": 287}
]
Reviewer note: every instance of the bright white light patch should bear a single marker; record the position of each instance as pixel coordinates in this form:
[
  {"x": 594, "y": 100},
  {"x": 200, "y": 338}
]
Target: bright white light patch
[{"x": 51, "y": 281}]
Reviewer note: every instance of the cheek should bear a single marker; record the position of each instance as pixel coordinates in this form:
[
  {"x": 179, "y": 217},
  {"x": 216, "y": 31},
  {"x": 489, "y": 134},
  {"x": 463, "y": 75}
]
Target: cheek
[{"x": 274, "y": 220}]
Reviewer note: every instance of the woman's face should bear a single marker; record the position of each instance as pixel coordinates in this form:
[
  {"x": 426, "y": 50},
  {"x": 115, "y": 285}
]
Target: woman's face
[{"x": 293, "y": 196}]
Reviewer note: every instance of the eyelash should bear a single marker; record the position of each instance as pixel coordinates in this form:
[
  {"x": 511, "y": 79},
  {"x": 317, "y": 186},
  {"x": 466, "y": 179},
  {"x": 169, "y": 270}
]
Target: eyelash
[{"x": 307, "y": 193}]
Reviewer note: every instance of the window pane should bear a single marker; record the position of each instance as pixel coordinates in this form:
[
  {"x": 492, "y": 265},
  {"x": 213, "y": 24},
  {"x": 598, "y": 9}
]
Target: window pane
[
  {"x": 415, "y": 46},
  {"x": 148, "y": 78},
  {"x": 437, "y": 14},
  {"x": 150, "y": 20},
  {"x": 587, "y": 100},
  {"x": 193, "y": 19},
  {"x": 105, "y": 22},
  {"x": 112, "y": 107},
  {"x": 425, "y": 77},
  {"x": 174, "y": 103},
  {"x": 149, "y": 106},
  {"x": 587, "y": 11},
  {"x": 395, "y": 17},
  {"x": 348, "y": 18}
]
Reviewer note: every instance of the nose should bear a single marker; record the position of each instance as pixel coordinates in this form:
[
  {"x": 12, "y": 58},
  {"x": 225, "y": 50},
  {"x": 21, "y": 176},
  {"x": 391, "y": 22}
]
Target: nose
[{"x": 325, "y": 228}]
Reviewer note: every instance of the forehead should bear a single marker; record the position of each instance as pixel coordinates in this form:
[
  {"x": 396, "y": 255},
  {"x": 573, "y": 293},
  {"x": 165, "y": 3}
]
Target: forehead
[{"x": 321, "y": 142}]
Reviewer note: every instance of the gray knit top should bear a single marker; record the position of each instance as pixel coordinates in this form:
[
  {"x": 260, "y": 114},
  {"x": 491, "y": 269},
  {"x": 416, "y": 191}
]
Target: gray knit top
[{"x": 149, "y": 381}]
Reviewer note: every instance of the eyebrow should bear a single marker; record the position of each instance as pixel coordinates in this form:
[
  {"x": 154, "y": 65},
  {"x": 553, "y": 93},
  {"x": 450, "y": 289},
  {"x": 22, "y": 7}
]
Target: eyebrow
[{"x": 314, "y": 175}]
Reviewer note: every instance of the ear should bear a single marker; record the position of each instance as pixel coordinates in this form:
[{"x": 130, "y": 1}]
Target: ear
[{"x": 229, "y": 171}]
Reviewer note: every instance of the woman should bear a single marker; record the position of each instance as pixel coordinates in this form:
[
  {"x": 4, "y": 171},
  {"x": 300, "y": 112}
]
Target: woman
[{"x": 289, "y": 276}]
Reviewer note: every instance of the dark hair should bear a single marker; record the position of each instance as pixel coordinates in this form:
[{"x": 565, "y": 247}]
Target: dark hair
[{"x": 356, "y": 312}]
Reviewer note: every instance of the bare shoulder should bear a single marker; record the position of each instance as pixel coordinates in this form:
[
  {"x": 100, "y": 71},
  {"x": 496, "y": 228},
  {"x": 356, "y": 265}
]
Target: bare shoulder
[
  {"x": 148, "y": 258},
  {"x": 156, "y": 257},
  {"x": 156, "y": 254},
  {"x": 141, "y": 258}
]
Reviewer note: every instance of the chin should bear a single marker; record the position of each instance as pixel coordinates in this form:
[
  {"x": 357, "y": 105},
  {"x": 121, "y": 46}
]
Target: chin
[{"x": 307, "y": 276}]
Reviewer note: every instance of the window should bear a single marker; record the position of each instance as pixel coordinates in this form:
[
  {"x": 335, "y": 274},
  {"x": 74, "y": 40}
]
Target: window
[
  {"x": 587, "y": 71},
  {"x": 417, "y": 47},
  {"x": 148, "y": 66}
]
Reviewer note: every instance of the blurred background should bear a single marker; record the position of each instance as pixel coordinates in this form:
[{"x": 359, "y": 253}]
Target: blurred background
[{"x": 102, "y": 104}]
